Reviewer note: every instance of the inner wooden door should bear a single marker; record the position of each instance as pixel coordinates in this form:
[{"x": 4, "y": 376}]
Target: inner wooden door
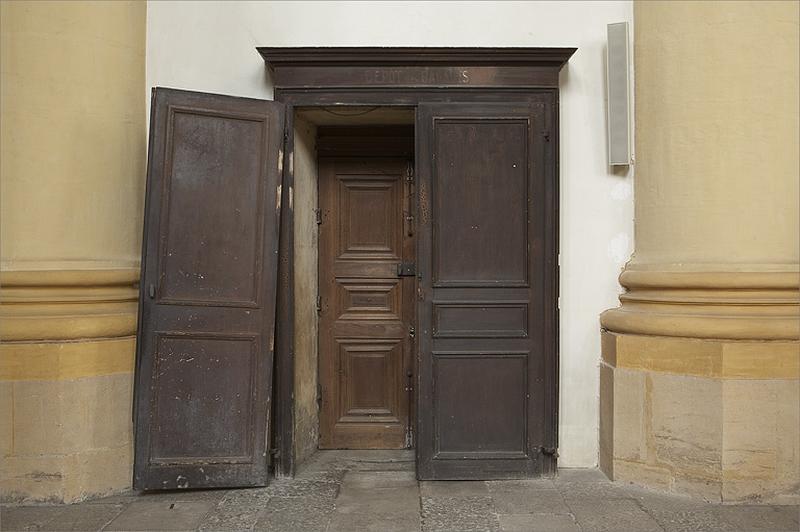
[{"x": 367, "y": 303}]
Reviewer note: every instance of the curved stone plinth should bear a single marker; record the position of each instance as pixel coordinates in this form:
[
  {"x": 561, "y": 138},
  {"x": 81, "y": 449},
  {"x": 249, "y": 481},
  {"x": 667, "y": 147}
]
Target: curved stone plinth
[{"x": 741, "y": 305}]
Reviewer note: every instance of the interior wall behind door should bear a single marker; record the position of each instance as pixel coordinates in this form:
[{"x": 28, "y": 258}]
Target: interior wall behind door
[{"x": 306, "y": 410}]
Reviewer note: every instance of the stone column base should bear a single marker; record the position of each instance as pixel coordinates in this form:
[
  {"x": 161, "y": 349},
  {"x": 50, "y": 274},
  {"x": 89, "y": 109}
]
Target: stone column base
[
  {"x": 67, "y": 355},
  {"x": 717, "y": 419}
]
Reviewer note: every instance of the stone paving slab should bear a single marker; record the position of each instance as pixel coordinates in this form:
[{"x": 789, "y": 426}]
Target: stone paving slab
[
  {"x": 597, "y": 515},
  {"x": 377, "y": 500},
  {"x": 373, "y": 522},
  {"x": 580, "y": 475},
  {"x": 454, "y": 488},
  {"x": 352, "y": 491},
  {"x": 463, "y": 513},
  {"x": 308, "y": 513},
  {"x": 74, "y": 517},
  {"x": 161, "y": 515},
  {"x": 538, "y": 523},
  {"x": 527, "y": 498},
  {"x": 756, "y": 518},
  {"x": 237, "y": 510}
]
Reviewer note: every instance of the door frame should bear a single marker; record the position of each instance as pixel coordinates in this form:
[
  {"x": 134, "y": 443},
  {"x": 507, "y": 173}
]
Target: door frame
[{"x": 405, "y": 77}]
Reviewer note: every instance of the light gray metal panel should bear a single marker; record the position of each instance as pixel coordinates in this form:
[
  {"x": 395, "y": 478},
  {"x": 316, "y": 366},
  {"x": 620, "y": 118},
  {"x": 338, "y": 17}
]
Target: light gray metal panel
[{"x": 617, "y": 75}]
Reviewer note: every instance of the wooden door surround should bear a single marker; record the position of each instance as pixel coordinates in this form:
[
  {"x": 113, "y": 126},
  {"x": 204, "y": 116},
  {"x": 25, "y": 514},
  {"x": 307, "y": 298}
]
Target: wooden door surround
[
  {"x": 363, "y": 77},
  {"x": 366, "y": 306}
]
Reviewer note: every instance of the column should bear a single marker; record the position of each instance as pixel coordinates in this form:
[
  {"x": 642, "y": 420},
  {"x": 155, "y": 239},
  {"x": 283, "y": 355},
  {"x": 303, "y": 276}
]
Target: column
[
  {"x": 73, "y": 166},
  {"x": 701, "y": 361}
]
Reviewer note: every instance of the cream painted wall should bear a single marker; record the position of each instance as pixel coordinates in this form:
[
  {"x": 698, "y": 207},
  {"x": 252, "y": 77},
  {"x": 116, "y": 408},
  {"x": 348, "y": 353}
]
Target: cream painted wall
[
  {"x": 209, "y": 46},
  {"x": 72, "y": 134}
]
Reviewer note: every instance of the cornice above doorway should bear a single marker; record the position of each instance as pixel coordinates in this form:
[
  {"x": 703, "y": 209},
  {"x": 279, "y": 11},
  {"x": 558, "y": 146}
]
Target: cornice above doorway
[{"x": 369, "y": 67}]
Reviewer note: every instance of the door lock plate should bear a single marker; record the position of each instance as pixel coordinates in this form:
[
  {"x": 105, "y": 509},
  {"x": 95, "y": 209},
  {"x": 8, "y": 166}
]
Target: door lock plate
[{"x": 406, "y": 269}]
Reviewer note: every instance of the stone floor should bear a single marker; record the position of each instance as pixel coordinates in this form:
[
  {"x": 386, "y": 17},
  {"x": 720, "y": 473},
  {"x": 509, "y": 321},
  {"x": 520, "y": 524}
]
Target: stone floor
[{"x": 359, "y": 491}]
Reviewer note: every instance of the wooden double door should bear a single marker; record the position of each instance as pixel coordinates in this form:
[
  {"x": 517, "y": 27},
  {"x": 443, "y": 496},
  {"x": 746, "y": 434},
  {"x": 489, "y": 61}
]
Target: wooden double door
[
  {"x": 367, "y": 302},
  {"x": 477, "y": 377}
]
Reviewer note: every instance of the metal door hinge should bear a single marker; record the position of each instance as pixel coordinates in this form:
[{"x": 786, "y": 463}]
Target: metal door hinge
[
  {"x": 409, "y": 223},
  {"x": 151, "y": 290},
  {"x": 409, "y": 171},
  {"x": 412, "y": 332},
  {"x": 319, "y": 304},
  {"x": 558, "y": 303},
  {"x": 549, "y": 451},
  {"x": 409, "y": 382},
  {"x": 318, "y": 215},
  {"x": 410, "y": 389},
  {"x": 409, "y": 437}
]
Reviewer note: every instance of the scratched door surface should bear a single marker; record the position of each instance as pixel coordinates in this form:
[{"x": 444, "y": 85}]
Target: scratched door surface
[
  {"x": 366, "y": 308},
  {"x": 207, "y": 302},
  {"x": 482, "y": 315}
]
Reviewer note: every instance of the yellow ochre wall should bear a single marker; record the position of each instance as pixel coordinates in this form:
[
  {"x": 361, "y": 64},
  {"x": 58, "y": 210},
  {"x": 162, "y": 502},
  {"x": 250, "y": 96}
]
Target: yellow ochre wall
[
  {"x": 72, "y": 158},
  {"x": 717, "y": 131},
  {"x": 700, "y": 370}
]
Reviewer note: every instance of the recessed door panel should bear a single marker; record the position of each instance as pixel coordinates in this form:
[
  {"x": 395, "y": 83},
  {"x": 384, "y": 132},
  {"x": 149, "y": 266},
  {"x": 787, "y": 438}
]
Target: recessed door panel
[
  {"x": 193, "y": 376},
  {"x": 212, "y": 188},
  {"x": 371, "y": 210},
  {"x": 366, "y": 308},
  {"x": 482, "y": 305},
  {"x": 365, "y": 368},
  {"x": 480, "y": 201},
  {"x": 474, "y": 417},
  {"x": 458, "y": 319}
]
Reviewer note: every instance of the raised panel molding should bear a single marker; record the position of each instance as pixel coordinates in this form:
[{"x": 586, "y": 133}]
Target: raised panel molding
[
  {"x": 368, "y": 299},
  {"x": 373, "y": 206},
  {"x": 363, "y": 367}
]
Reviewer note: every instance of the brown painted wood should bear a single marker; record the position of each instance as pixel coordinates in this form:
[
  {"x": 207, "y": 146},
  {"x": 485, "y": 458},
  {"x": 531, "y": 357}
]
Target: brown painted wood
[
  {"x": 366, "y": 308},
  {"x": 483, "y": 223},
  {"x": 207, "y": 302},
  {"x": 415, "y": 67},
  {"x": 282, "y": 451},
  {"x": 366, "y": 141}
]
